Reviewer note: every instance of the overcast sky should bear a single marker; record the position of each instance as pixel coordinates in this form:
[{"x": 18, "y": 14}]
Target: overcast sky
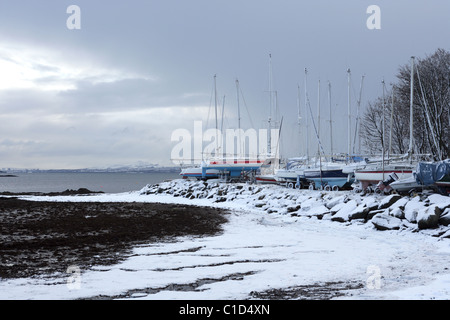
[{"x": 113, "y": 91}]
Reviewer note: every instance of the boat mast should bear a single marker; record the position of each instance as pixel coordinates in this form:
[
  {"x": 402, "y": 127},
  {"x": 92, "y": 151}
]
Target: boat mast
[
  {"x": 277, "y": 155},
  {"x": 331, "y": 122},
  {"x": 318, "y": 133},
  {"x": 269, "y": 142},
  {"x": 349, "y": 116},
  {"x": 411, "y": 101},
  {"x": 357, "y": 125},
  {"x": 382, "y": 134},
  {"x": 299, "y": 117},
  {"x": 239, "y": 119},
  {"x": 306, "y": 117},
  {"x": 215, "y": 112},
  {"x": 222, "y": 113},
  {"x": 390, "y": 123},
  {"x": 221, "y": 128},
  {"x": 318, "y": 120}
]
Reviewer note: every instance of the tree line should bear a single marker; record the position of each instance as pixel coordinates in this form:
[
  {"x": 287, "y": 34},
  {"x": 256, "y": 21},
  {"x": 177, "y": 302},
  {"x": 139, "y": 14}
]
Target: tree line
[{"x": 385, "y": 124}]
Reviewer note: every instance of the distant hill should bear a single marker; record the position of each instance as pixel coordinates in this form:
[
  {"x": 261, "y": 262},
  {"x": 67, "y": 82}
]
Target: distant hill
[{"x": 135, "y": 169}]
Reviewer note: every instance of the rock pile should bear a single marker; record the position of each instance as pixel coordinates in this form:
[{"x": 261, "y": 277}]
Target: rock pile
[{"x": 428, "y": 213}]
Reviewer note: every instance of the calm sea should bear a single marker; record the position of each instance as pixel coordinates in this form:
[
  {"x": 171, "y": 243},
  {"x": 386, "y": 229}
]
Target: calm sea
[{"x": 107, "y": 182}]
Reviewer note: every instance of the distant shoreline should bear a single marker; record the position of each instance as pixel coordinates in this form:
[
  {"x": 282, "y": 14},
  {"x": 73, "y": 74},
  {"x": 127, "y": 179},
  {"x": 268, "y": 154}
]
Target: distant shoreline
[
  {"x": 67, "y": 192},
  {"x": 93, "y": 170}
]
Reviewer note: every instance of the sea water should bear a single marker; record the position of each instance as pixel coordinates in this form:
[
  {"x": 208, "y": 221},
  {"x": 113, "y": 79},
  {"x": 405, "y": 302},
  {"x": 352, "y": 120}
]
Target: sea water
[{"x": 108, "y": 182}]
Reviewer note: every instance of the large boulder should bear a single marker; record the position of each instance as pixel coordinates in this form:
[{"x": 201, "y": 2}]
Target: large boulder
[
  {"x": 442, "y": 202},
  {"x": 428, "y": 217},
  {"x": 319, "y": 211},
  {"x": 336, "y": 207},
  {"x": 446, "y": 234},
  {"x": 383, "y": 221},
  {"x": 335, "y": 201},
  {"x": 397, "y": 212},
  {"x": 412, "y": 208},
  {"x": 444, "y": 219},
  {"x": 343, "y": 214},
  {"x": 360, "y": 212},
  {"x": 373, "y": 213},
  {"x": 399, "y": 204},
  {"x": 388, "y": 201}
]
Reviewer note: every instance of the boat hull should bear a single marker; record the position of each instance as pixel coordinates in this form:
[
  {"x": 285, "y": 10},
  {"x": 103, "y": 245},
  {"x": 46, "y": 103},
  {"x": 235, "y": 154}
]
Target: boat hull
[
  {"x": 332, "y": 182},
  {"x": 444, "y": 185},
  {"x": 379, "y": 177},
  {"x": 331, "y": 177},
  {"x": 266, "y": 179},
  {"x": 375, "y": 176},
  {"x": 283, "y": 175},
  {"x": 197, "y": 173},
  {"x": 405, "y": 185}
]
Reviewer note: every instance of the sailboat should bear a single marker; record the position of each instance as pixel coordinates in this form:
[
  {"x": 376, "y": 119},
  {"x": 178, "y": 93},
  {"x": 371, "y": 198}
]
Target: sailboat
[
  {"x": 267, "y": 173},
  {"x": 326, "y": 175},
  {"x": 377, "y": 174},
  {"x": 230, "y": 169},
  {"x": 442, "y": 181},
  {"x": 329, "y": 177},
  {"x": 271, "y": 166},
  {"x": 293, "y": 173},
  {"x": 427, "y": 175},
  {"x": 434, "y": 176},
  {"x": 381, "y": 174},
  {"x": 201, "y": 172}
]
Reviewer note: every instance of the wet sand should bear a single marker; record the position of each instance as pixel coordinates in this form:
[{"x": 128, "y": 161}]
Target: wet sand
[{"x": 44, "y": 238}]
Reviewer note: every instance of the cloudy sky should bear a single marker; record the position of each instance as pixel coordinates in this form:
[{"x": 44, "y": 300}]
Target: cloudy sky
[{"x": 113, "y": 91}]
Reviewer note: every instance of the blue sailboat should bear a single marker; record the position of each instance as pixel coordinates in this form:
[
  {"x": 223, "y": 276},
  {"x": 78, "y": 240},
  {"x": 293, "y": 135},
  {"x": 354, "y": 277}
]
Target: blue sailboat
[{"x": 329, "y": 177}]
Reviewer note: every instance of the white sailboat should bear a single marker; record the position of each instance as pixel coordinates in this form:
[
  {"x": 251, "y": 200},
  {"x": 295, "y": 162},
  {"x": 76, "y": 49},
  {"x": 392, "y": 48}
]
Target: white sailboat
[
  {"x": 293, "y": 174},
  {"x": 427, "y": 175},
  {"x": 328, "y": 175},
  {"x": 406, "y": 185},
  {"x": 233, "y": 167},
  {"x": 267, "y": 174},
  {"x": 376, "y": 174}
]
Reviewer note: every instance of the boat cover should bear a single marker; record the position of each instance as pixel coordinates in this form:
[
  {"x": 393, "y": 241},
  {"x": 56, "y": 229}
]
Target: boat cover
[{"x": 429, "y": 172}]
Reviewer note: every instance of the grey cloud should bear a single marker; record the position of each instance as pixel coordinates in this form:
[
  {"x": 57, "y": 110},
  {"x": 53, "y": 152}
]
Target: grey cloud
[{"x": 162, "y": 55}]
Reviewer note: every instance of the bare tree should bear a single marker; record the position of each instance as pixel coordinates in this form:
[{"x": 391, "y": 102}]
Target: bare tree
[
  {"x": 431, "y": 109},
  {"x": 399, "y": 126},
  {"x": 372, "y": 135}
]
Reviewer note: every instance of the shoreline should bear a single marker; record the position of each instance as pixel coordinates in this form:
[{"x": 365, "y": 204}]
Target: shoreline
[
  {"x": 67, "y": 192},
  {"x": 427, "y": 213},
  {"x": 260, "y": 253}
]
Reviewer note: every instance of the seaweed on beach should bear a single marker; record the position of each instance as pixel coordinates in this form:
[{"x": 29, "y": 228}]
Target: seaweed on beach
[{"x": 39, "y": 238}]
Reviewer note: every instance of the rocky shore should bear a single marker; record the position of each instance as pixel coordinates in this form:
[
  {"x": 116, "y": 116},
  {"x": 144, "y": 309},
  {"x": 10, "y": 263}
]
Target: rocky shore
[{"x": 427, "y": 213}]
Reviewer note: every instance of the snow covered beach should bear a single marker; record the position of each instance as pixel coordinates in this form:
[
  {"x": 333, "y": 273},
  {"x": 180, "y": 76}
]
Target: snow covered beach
[{"x": 277, "y": 244}]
